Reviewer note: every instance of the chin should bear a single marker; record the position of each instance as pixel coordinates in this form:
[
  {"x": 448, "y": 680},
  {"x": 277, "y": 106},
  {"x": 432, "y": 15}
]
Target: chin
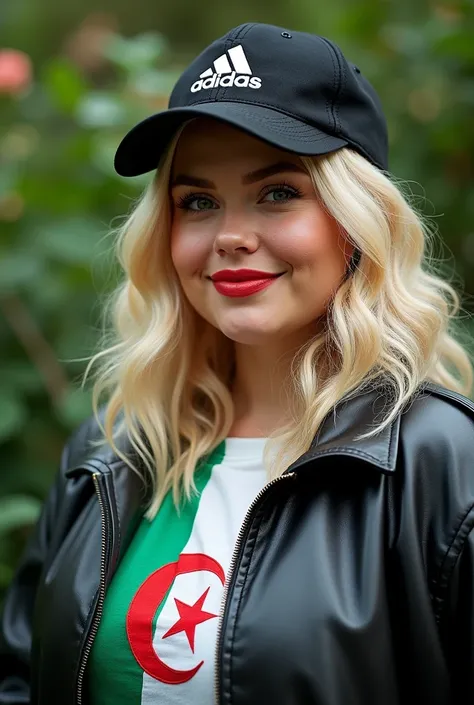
[{"x": 248, "y": 336}]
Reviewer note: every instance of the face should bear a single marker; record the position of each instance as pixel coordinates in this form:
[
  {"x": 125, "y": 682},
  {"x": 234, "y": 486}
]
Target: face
[{"x": 240, "y": 203}]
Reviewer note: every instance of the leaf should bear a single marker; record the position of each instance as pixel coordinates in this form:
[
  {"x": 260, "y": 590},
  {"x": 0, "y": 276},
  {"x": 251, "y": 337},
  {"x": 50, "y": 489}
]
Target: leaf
[
  {"x": 155, "y": 83},
  {"x": 20, "y": 376},
  {"x": 64, "y": 84},
  {"x": 18, "y": 511},
  {"x": 136, "y": 53},
  {"x": 50, "y": 298},
  {"x": 404, "y": 39},
  {"x": 100, "y": 110},
  {"x": 75, "y": 240},
  {"x": 12, "y": 414},
  {"x": 17, "y": 270},
  {"x": 8, "y": 179},
  {"x": 458, "y": 44},
  {"x": 103, "y": 151},
  {"x": 75, "y": 407},
  {"x": 6, "y": 574}
]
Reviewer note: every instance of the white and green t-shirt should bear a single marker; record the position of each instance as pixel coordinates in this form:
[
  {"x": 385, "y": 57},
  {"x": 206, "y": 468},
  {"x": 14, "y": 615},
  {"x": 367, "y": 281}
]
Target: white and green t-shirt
[{"x": 157, "y": 637}]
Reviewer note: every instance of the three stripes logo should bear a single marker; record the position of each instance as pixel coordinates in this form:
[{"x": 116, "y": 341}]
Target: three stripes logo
[{"x": 230, "y": 69}]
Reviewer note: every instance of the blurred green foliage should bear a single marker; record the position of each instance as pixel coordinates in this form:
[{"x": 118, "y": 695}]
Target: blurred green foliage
[{"x": 60, "y": 197}]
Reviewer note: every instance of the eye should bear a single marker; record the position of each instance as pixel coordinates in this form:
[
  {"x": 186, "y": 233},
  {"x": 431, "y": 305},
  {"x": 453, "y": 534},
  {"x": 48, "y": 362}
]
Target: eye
[
  {"x": 195, "y": 203},
  {"x": 280, "y": 194}
]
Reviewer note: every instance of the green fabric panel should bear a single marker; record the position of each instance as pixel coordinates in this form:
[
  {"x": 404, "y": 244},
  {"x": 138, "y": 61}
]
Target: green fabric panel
[{"x": 113, "y": 675}]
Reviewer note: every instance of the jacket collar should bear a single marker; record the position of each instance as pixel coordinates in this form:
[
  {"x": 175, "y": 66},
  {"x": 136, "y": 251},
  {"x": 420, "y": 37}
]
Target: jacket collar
[
  {"x": 351, "y": 418},
  {"x": 361, "y": 413},
  {"x": 338, "y": 435}
]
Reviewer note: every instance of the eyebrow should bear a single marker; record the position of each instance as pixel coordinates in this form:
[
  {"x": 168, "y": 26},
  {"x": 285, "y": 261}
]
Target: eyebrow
[{"x": 250, "y": 178}]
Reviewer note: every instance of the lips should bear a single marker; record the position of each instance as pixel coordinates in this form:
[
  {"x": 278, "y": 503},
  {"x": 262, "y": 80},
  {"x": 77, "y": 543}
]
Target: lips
[
  {"x": 244, "y": 288},
  {"x": 243, "y": 275}
]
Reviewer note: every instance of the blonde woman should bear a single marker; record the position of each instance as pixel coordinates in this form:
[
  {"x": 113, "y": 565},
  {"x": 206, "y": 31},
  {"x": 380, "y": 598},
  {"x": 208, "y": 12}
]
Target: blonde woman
[{"x": 275, "y": 504}]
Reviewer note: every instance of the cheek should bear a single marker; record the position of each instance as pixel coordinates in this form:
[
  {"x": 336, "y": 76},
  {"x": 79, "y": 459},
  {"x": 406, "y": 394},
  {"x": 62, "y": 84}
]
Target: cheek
[
  {"x": 188, "y": 250},
  {"x": 312, "y": 238}
]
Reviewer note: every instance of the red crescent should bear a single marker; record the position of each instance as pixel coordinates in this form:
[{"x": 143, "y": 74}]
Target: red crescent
[{"x": 143, "y": 608}]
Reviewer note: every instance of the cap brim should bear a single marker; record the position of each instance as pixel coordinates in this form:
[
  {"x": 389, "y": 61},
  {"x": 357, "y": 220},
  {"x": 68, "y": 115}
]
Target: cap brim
[{"x": 142, "y": 147}]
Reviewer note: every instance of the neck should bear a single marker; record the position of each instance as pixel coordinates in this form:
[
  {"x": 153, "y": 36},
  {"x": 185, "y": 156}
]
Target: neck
[{"x": 261, "y": 388}]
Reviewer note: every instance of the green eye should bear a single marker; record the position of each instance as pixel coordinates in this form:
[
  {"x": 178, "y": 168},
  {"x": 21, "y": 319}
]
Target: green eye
[
  {"x": 279, "y": 195},
  {"x": 196, "y": 204},
  {"x": 201, "y": 204}
]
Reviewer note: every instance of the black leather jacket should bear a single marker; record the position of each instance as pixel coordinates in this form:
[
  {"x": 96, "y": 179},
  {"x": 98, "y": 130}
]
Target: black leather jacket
[{"x": 352, "y": 582}]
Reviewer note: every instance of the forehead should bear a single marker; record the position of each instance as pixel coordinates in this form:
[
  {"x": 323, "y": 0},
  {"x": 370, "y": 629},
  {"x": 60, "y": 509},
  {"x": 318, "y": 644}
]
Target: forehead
[{"x": 211, "y": 143}]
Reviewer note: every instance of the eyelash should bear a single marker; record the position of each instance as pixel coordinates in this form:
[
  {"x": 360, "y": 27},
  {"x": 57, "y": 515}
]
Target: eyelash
[{"x": 184, "y": 201}]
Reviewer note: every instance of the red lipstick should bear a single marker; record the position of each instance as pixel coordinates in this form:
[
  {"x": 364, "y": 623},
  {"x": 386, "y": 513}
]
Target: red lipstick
[
  {"x": 242, "y": 282},
  {"x": 241, "y": 275}
]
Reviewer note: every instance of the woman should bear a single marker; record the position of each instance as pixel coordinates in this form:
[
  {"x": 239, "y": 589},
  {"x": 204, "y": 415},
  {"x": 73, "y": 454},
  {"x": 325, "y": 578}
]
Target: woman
[{"x": 276, "y": 503}]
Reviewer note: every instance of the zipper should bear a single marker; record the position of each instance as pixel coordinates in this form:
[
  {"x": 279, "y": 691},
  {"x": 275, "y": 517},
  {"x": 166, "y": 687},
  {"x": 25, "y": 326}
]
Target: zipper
[
  {"x": 92, "y": 469},
  {"x": 233, "y": 562},
  {"x": 101, "y": 593}
]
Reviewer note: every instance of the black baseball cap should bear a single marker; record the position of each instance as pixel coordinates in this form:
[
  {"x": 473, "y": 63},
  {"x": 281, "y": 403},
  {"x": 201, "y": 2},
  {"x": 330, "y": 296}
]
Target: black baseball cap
[{"x": 294, "y": 90}]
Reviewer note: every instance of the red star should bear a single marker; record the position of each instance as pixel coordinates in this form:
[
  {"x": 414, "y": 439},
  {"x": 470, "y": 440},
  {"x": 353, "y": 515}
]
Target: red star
[{"x": 189, "y": 617}]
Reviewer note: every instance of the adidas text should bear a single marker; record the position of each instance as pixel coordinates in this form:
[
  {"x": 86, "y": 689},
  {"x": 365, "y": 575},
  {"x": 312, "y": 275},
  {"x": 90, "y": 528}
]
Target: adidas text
[{"x": 227, "y": 80}]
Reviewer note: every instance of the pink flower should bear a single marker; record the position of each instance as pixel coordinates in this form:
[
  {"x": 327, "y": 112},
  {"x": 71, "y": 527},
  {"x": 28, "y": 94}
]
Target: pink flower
[{"x": 15, "y": 71}]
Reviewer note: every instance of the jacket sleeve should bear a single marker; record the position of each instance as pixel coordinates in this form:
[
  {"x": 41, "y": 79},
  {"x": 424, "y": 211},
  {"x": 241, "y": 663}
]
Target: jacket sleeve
[
  {"x": 16, "y": 618},
  {"x": 457, "y": 618}
]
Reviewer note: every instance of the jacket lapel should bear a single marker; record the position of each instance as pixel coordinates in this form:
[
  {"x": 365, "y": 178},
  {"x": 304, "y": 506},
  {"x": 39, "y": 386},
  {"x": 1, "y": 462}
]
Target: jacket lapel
[{"x": 351, "y": 418}]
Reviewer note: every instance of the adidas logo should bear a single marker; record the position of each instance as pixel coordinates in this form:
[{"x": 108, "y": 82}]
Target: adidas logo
[{"x": 230, "y": 69}]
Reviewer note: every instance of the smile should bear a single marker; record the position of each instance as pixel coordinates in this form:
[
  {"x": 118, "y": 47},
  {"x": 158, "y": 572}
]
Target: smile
[{"x": 244, "y": 288}]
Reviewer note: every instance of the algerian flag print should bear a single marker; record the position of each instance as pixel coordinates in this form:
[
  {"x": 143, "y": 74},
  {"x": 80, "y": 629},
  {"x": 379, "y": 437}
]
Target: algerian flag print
[{"x": 157, "y": 637}]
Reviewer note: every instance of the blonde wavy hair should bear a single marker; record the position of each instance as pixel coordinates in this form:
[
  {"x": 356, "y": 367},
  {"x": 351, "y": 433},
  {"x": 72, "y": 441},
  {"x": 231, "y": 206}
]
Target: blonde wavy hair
[{"x": 166, "y": 372}]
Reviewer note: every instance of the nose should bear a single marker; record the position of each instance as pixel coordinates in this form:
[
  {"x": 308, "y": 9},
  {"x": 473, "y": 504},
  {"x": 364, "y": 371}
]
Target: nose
[{"x": 235, "y": 233}]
